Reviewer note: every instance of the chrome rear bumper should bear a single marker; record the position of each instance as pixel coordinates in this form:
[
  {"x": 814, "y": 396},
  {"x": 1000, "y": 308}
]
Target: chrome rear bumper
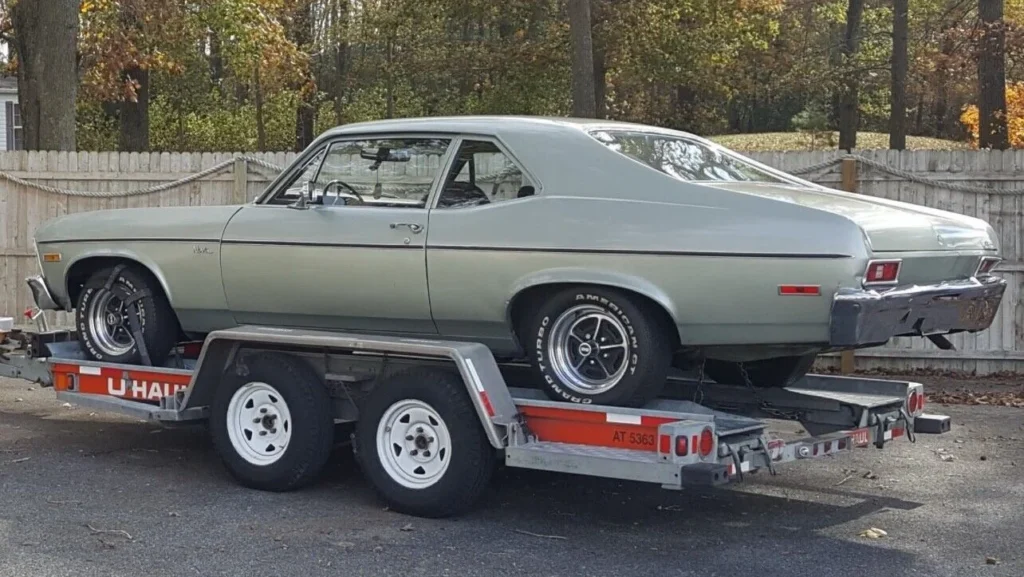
[{"x": 869, "y": 318}]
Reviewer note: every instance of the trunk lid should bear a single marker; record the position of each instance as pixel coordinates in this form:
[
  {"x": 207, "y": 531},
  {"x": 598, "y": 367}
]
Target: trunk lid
[{"x": 890, "y": 226}]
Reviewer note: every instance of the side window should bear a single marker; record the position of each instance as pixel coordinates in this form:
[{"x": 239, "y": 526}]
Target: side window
[
  {"x": 296, "y": 187},
  {"x": 395, "y": 172},
  {"x": 482, "y": 174}
]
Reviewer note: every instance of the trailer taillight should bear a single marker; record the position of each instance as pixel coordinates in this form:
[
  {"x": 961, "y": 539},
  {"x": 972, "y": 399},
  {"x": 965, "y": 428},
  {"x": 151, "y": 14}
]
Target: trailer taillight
[
  {"x": 882, "y": 272},
  {"x": 682, "y": 446},
  {"x": 915, "y": 402},
  {"x": 707, "y": 442}
]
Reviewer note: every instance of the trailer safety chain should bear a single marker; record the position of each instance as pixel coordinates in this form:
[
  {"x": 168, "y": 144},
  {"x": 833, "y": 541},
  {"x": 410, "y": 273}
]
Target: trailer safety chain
[
  {"x": 698, "y": 395},
  {"x": 910, "y": 425},
  {"x": 735, "y": 461},
  {"x": 763, "y": 404}
]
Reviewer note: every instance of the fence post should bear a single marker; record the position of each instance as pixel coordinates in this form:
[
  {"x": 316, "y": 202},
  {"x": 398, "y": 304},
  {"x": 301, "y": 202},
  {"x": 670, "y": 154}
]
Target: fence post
[
  {"x": 847, "y": 360},
  {"x": 241, "y": 173}
]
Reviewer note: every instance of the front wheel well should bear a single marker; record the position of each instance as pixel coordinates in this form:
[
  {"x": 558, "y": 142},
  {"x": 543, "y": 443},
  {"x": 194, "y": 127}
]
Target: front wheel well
[
  {"x": 529, "y": 299},
  {"x": 80, "y": 271}
]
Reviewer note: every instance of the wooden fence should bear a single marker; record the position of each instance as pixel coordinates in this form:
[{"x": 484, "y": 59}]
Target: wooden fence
[{"x": 957, "y": 181}]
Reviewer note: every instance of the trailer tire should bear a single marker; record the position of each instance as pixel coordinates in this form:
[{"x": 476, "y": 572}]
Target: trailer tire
[
  {"x": 420, "y": 443},
  {"x": 290, "y": 444}
]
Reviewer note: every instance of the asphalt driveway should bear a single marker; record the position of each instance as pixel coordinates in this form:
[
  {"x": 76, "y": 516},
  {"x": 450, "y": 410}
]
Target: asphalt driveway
[{"x": 83, "y": 493}]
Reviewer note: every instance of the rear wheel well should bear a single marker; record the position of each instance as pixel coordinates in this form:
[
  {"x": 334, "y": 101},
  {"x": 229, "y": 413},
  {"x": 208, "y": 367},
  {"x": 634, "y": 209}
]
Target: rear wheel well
[
  {"x": 80, "y": 272},
  {"x": 529, "y": 298}
]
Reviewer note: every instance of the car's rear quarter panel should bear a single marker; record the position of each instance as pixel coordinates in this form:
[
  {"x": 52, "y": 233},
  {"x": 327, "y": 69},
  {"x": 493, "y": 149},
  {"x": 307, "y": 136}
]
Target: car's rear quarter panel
[{"x": 716, "y": 270}]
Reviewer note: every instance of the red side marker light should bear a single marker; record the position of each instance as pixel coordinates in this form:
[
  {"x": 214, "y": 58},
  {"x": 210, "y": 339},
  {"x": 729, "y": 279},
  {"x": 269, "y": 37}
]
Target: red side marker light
[
  {"x": 664, "y": 444},
  {"x": 682, "y": 446},
  {"x": 799, "y": 290}
]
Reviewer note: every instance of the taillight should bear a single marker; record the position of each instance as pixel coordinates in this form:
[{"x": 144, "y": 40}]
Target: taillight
[
  {"x": 682, "y": 446},
  {"x": 986, "y": 265},
  {"x": 707, "y": 442},
  {"x": 882, "y": 272},
  {"x": 915, "y": 403}
]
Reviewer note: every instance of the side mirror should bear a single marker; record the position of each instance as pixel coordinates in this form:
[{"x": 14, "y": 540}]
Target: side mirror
[{"x": 301, "y": 203}]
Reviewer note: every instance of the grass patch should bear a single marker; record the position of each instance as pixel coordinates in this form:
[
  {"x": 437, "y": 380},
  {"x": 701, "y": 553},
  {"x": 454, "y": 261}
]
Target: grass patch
[{"x": 781, "y": 141}]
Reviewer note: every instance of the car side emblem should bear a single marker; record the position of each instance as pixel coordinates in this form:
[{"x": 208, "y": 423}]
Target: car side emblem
[{"x": 197, "y": 249}]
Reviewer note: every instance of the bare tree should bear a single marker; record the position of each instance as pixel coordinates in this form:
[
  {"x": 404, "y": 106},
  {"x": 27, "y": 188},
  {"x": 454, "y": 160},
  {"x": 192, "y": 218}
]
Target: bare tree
[
  {"x": 898, "y": 113},
  {"x": 992, "y": 128},
  {"x": 46, "y": 46},
  {"x": 584, "y": 104}
]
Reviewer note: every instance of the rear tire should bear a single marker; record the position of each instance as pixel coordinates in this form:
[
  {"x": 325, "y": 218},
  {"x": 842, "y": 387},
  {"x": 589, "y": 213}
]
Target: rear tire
[
  {"x": 273, "y": 428},
  {"x": 103, "y": 323},
  {"x": 768, "y": 373},
  {"x": 599, "y": 345},
  {"x": 420, "y": 443}
]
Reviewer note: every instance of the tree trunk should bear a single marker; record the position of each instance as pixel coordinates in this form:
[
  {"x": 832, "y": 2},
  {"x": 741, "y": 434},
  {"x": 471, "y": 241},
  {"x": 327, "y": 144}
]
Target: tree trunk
[
  {"x": 46, "y": 44},
  {"x": 849, "y": 100},
  {"x": 135, "y": 115},
  {"x": 992, "y": 77},
  {"x": 898, "y": 114},
  {"x": 305, "y": 114},
  {"x": 216, "y": 60},
  {"x": 584, "y": 104},
  {"x": 261, "y": 123}
]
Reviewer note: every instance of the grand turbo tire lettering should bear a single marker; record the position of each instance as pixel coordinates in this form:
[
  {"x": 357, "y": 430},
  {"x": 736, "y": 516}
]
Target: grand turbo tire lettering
[{"x": 647, "y": 360}]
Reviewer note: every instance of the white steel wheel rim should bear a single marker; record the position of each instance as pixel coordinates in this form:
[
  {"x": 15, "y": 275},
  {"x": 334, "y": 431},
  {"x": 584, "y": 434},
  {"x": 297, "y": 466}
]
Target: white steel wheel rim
[
  {"x": 413, "y": 444},
  {"x": 259, "y": 423}
]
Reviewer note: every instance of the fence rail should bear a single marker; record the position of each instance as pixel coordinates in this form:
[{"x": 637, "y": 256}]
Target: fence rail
[{"x": 986, "y": 184}]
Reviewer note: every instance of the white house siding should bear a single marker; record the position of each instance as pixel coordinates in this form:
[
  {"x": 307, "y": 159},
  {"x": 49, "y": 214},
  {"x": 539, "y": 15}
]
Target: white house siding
[{"x": 4, "y": 99}]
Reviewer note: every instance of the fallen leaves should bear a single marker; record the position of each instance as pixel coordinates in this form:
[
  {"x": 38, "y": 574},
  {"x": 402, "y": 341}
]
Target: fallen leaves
[
  {"x": 873, "y": 533},
  {"x": 990, "y": 398}
]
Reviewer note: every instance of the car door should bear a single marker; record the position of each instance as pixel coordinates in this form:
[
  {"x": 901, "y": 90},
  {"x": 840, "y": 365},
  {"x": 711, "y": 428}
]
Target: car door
[{"x": 352, "y": 256}]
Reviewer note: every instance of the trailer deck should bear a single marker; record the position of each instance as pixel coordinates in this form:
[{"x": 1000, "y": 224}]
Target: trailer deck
[{"x": 700, "y": 433}]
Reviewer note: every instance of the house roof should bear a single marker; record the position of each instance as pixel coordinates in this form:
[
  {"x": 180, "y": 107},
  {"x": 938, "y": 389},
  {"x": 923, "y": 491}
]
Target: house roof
[{"x": 8, "y": 85}]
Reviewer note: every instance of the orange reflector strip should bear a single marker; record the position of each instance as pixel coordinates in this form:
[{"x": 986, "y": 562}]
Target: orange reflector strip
[
  {"x": 51, "y": 257},
  {"x": 141, "y": 385},
  {"x": 799, "y": 290}
]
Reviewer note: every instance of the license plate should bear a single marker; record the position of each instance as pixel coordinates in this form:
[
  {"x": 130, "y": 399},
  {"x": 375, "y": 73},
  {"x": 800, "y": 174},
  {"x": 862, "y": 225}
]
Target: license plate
[
  {"x": 861, "y": 437},
  {"x": 977, "y": 312}
]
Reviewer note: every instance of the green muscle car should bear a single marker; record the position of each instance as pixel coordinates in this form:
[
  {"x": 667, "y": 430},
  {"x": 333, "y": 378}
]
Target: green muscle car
[{"x": 603, "y": 252}]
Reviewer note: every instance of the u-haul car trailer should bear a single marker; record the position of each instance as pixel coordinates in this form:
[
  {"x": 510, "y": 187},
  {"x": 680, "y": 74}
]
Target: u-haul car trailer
[{"x": 431, "y": 419}]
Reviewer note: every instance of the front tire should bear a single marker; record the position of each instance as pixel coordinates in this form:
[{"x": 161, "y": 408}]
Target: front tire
[
  {"x": 103, "y": 310},
  {"x": 273, "y": 428},
  {"x": 420, "y": 443},
  {"x": 601, "y": 346}
]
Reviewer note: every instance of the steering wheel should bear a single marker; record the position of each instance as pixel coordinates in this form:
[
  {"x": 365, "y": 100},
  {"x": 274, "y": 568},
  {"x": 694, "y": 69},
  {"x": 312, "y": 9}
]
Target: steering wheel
[{"x": 354, "y": 194}]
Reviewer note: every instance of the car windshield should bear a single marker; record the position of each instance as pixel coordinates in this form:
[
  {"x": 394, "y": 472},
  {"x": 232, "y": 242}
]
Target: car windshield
[{"x": 683, "y": 158}]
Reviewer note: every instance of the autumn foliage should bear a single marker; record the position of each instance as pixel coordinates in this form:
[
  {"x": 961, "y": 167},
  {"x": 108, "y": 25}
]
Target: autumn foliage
[{"x": 1014, "y": 116}]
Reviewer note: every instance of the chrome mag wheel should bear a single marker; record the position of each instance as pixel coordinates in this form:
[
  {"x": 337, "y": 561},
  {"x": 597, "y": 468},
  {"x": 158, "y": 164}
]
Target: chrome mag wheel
[{"x": 588, "y": 349}]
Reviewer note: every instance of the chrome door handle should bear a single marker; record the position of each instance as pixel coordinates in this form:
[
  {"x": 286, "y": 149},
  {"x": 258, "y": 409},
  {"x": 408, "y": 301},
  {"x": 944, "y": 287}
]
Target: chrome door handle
[{"x": 412, "y": 226}]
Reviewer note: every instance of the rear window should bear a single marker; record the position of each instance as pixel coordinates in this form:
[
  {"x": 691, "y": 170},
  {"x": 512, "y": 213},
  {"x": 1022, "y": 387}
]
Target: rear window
[{"x": 683, "y": 158}]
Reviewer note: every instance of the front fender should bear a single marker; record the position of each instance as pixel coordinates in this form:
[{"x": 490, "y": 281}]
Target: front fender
[
  {"x": 118, "y": 253},
  {"x": 581, "y": 275}
]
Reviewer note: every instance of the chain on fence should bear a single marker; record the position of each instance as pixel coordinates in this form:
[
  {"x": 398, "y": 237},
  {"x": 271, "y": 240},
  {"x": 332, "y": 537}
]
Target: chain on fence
[{"x": 223, "y": 166}]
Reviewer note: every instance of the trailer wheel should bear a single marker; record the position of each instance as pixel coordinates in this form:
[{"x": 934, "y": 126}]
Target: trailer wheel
[
  {"x": 273, "y": 427},
  {"x": 420, "y": 443}
]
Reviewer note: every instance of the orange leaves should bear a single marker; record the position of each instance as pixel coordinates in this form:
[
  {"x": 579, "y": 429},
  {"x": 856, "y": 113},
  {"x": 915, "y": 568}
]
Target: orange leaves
[{"x": 1014, "y": 116}]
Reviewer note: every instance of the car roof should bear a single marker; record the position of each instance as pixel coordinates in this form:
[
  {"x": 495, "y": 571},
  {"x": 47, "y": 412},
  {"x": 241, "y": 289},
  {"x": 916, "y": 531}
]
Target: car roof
[{"x": 494, "y": 125}]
